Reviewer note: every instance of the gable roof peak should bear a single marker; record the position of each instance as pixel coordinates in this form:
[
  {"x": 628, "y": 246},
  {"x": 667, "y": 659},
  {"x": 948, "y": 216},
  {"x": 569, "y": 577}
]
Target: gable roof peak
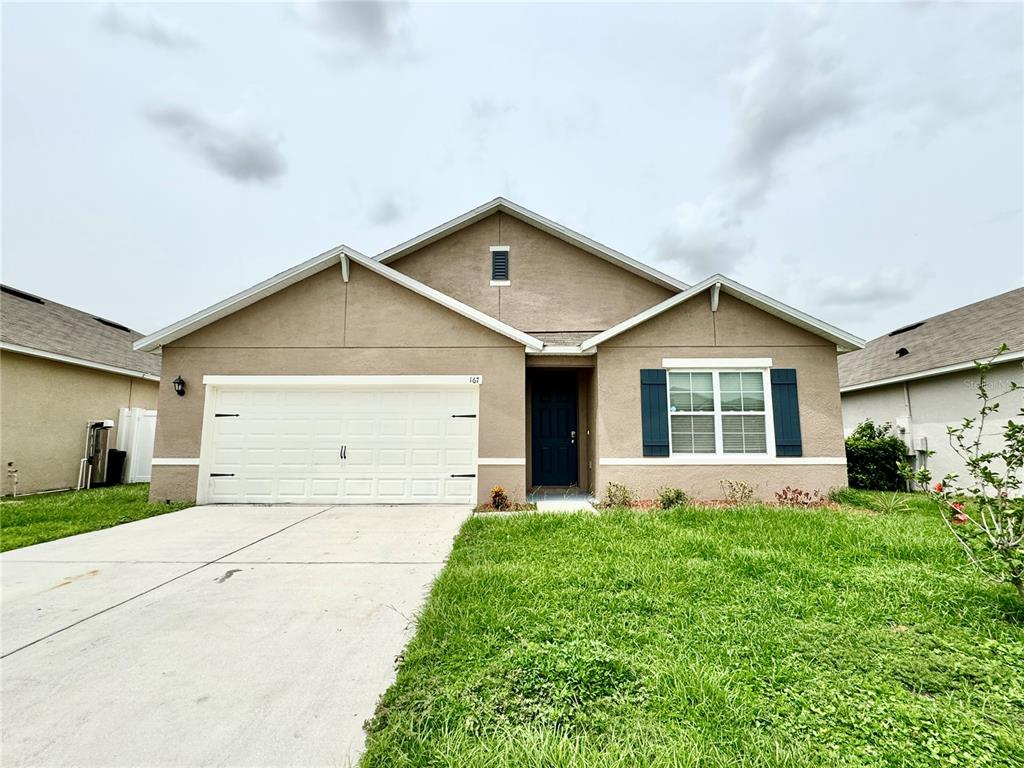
[{"x": 553, "y": 228}]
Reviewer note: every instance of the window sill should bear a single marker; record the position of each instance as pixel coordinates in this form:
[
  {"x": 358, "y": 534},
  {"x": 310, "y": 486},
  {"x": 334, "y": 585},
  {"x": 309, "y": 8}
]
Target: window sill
[
  {"x": 734, "y": 459},
  {"x": 501, "y": 283}
]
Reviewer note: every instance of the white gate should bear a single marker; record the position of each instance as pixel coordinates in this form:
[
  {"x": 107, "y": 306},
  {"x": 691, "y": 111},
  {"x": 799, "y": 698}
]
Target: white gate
[{"x": 136, "y": 428}]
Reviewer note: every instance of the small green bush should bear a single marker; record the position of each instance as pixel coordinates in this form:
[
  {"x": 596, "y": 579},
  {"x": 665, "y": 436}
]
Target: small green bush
[
  {"x": 669, "y": 498},
  {"x": 618, "y": 495},
  {"x": 873, "y": 456}
]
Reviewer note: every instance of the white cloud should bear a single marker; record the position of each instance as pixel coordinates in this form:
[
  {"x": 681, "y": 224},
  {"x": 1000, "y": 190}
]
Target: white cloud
[
  {"x": 703, "y": 239},
  {"x": 240, "y": 152},
  {"x": 143, "y": 23},
  {"x": 386, "y": 210},
  {"x": 362, "y": 27},
  {"x": 792, "y": 90}
]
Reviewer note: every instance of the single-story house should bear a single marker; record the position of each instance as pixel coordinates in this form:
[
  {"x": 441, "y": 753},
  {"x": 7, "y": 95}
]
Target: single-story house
[
  {"x": 921, "y": 377},
  {"x": 497, "y": 349},
  {"x": 60, "y": 370}
]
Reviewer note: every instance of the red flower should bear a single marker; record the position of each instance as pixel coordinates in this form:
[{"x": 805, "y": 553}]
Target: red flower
[
  {"x": 959, "y": 518},
  {"x": 938, "y": 487},
  {"x": 958, "y": 506}
]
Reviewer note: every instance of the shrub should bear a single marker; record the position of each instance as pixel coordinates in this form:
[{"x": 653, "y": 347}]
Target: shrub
[
  {"x": 499, "y": 499},
  {"x": 737, "y": 491},
  {"x": 990, "y": 526},
  {"x": 842, "y": 496},
  {"x": 618, "y": 495},
  {"x": 794, "y": 497},
  {"x": 889, "y": 503},
  {"x": 669, "y": 498},
  {"x": 873, "y": 456}
]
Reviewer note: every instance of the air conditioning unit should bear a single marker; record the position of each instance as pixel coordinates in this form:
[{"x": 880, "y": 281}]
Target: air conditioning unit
[{"x": 921, "y": 444}]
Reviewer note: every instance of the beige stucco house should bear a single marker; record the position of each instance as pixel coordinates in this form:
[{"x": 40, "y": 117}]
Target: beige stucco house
[
  {"x": 499, "y": 348},
  {"x": 921, "y": 377},
  {"x": 60, "y": 369}
]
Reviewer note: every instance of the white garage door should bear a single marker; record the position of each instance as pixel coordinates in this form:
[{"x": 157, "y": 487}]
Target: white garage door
[{"x": 362, "y": 441}]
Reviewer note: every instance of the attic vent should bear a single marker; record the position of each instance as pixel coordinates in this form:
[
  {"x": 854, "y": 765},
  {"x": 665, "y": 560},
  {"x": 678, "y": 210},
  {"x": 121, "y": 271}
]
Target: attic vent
[
  {"x": 21, "y": 294},
  {"x": 902, "y": 352},
  {"x": 112, "y": 324},
  {"x": 499, "y": 264},
  {"x": 906, "y": 328}
]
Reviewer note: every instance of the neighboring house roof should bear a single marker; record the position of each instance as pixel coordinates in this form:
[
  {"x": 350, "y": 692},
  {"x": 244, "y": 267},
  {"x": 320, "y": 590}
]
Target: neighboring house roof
[
  {"x": 843, "y": 340},
  {"x": 500, "y": 204},
  {"x": 340, "y": 255},
  {"x": 941, "y": 344},
  {"x": 35, "y": 326}
]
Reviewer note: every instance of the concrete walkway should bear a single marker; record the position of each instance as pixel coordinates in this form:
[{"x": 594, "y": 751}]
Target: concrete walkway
[{"x": 228, "y": 636}]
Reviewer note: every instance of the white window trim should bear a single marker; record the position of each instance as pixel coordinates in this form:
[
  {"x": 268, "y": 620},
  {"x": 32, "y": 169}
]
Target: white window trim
[
  {"x": 501, "y": 248},
  {"x": 501, "y": 283},
  {"x": 728, "y": 459},
  {"x": 716, "y": 363},
  {"x": 769, "y": 413}
]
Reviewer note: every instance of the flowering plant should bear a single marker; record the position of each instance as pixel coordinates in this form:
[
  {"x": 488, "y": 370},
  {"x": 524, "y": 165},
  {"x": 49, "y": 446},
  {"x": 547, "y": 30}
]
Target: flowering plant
[{"x": 985, "y": 513}]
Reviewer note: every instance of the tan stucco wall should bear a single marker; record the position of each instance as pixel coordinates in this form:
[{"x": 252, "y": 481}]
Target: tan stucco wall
[
  {"x": 323, "y": 326},
  {"x": 555, "y": 286},
  {"x": 737, "y": 329},
  {"x": 45, "y": 405},
  {"x": 925, "y": 407},
  {"x": 704, "y": 482}
]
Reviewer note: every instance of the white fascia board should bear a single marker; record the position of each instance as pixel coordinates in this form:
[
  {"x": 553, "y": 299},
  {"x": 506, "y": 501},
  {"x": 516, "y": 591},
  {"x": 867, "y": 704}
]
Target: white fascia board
[
  {"x": 726, "y": 459},
  {"x": 552, "y": 228},
  {"x": 554, "y": 349},
  {"x": 371, "y": 380},
  {"x": 239, "y": 300},
  {"x": 844, "y": 341},
  {"x": 317, "y": 264},
  {"x": 57, "y": 357},
  {"x": 968, "y": 365}
]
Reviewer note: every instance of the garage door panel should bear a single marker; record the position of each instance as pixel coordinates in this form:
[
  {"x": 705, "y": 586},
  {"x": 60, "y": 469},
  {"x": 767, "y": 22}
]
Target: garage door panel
[{"x": 402, "y": 445}]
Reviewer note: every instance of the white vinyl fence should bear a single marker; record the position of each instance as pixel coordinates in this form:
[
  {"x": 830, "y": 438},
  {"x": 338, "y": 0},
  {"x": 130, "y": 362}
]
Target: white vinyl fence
[{"x": 136, "y": 428}]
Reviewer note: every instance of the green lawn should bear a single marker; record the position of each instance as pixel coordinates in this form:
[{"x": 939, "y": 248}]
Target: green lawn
[
  {"x": 46, "y": 516},
  {"x": 725, "y": 637}
]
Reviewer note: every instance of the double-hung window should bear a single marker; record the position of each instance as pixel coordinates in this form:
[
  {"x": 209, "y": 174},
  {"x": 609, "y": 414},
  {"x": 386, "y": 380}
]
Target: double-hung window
[{"x": 718, "y": 412}]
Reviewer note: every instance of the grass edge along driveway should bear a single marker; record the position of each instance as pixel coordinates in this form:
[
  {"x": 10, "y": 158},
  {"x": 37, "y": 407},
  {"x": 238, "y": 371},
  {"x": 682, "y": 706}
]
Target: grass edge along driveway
[
  {"x": 755, "y": 636},
  {"x": 26, "y": 520}
]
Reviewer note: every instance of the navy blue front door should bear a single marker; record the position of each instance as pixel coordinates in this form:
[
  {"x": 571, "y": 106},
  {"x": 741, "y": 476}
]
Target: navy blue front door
[{"x": 554, "y": 428}]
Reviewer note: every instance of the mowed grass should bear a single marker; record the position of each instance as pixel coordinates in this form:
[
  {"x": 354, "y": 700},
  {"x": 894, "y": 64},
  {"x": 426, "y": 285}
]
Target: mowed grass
[
  {"x": 26, "y": 520},
  {"x": 708, "y": 637}
]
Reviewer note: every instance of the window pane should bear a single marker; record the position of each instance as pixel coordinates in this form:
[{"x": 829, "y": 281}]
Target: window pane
[
  {"x": 742, "y": 391},
  {"x": 743, "y": 434},
  {"x": 690, "y": 392},
  {"x": 693, "y": 434},
  {"x": 753, "y": 392}
]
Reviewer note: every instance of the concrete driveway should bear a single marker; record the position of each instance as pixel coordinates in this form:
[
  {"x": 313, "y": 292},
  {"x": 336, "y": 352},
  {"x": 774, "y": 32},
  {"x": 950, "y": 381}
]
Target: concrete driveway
[{"x": 228, "y": 636}]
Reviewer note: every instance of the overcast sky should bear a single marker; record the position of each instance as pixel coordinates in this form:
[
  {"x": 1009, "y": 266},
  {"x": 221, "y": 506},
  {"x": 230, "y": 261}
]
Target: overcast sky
[{"x": 861, "y": 162}]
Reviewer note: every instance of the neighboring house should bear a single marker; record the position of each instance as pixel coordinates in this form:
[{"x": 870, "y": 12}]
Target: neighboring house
[
  {"x": 61, "y": 369},
  {"x": 921, "y": 377},
  {"x": 499, "y": 348}
]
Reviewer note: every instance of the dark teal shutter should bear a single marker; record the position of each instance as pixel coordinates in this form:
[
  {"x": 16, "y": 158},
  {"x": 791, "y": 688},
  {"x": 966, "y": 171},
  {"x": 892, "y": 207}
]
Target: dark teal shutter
[
  {"x": 654, "y": 411},
  {"x": 786, "y": 414}
]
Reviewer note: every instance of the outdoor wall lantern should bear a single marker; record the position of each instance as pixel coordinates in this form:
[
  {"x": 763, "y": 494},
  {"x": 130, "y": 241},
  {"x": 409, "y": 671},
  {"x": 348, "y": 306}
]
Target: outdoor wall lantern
[{"x": 179, "y": 386}]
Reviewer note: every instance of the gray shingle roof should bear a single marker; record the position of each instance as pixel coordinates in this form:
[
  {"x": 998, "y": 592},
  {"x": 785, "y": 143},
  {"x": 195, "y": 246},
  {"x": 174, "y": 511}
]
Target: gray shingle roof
[
  {"x": 37, "y": 323},
  {"x": 969, "y": 333},
  {"x": 563, "y": 338}
]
